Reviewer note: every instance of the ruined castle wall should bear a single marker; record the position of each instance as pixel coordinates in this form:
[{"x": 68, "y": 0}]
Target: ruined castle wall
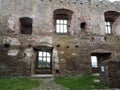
[
  {"x": 110, "y": 74},
  {"x": 71, "y": 53}
]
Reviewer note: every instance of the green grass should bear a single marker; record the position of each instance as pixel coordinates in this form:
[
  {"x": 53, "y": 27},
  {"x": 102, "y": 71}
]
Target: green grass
[
  {"x": 79, "y": 83},
  {"x": 17, "y": 83}
]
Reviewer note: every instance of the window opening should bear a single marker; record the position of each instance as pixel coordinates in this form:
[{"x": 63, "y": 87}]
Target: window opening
[
  {"x": 83, "y": 24},
  {"x": 108, "y": 28},
  {"x": 44, "y": 59},
  {"x": 61, "y": 26},
  {"x": 62, "y": 20},
  {"x": 94, "y": 61},
  {"x": 111, "y": 18},
  {"x": 26, "y": 25}
]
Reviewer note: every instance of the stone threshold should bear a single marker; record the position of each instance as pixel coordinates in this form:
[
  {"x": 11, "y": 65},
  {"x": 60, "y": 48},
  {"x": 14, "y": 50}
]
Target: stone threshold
[{"x": 43, "y": 76}]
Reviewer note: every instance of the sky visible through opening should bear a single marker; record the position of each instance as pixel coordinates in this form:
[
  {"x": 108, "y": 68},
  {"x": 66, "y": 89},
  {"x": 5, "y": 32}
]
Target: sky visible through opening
[
  {"x": 94, "y": 61},
  {"x": 114, "y": 0}
]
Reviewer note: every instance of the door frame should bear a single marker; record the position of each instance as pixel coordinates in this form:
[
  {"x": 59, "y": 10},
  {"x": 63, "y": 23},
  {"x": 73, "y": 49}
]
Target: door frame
[
  {"x": 100, "y": 58},
  {"x": 37, "y": 70}
]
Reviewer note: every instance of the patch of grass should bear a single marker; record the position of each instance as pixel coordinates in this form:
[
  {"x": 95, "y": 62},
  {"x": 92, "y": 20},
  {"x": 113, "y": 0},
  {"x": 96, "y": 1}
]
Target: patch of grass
[
  {"x": 17, "y": 83},
  {"x": 80, "y": 83}
]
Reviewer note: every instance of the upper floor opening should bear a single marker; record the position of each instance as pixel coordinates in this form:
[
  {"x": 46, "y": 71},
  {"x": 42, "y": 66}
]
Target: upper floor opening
[
  {"x": 62, "y": 20},
  {"x": 26, "y": 25},
  {"x": 111, "y": 18}
]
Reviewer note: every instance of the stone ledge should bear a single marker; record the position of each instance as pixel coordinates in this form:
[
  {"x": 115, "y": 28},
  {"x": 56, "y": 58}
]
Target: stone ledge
[{"x": 43, "y": 76}]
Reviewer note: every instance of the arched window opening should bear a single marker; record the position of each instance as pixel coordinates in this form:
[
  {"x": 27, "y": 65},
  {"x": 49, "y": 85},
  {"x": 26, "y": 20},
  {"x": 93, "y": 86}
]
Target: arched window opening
[
  {"x": 62, "y": 18},
  {"x": 110, "y": 18},
  {"x": 26, "y": 25}
]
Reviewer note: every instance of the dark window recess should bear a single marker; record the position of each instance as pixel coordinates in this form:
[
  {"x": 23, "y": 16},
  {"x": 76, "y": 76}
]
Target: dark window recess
[
  {"x": 26, "y": 25},
  {"x": 83, "y": 25},
  {"x": 58, "y": 45},
  {"x": 67, "y": 46},
  {"x": 76, "y": 46},
  {"x": 7, "y": 45},
  {"x": 105, "y": 38},
  {"x": 57, "y": 71}
]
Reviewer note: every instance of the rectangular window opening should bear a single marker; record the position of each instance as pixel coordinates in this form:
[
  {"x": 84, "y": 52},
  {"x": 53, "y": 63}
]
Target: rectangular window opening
[
  {"x": 44, "y": 59},
  {"x": 26, "y": 25},
  {"x": 108, "y": 28},
  {"x": 61, "y": 26},
  {"x": 94, "y": 61}
]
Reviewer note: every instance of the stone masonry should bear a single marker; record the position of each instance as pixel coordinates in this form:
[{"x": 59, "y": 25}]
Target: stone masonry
[
  {"x": 70, "y": 52},
  {"x": 110, "y": 73}
]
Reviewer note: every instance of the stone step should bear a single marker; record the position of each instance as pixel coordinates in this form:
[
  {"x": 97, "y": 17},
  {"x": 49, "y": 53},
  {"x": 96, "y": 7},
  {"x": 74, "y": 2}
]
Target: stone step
[
  {"x": 97, "y": 81},
  {"x": 96, "y": 74},
  {"x": 42, "y": 76}
]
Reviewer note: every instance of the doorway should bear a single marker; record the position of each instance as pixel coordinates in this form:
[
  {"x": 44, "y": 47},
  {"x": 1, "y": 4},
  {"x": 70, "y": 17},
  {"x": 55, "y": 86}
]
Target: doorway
[
  {"x": 97, "y": 59},
  {"x": 43, "y": 62}
]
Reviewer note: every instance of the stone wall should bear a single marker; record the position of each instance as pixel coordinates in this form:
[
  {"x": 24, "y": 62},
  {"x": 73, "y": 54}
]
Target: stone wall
[
  {"x": 74, "y": 59},
  {"x": 71, "y": 51},
  {"x": 12, "y": 63},
  {"x": 110, "y": 73}
]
